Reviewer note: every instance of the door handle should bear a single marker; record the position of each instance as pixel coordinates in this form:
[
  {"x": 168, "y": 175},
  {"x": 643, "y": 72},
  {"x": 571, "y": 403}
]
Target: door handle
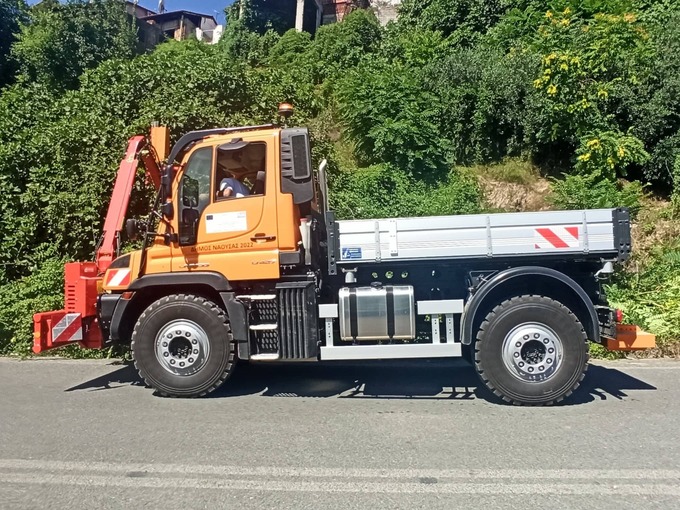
[{"x": 262, "y": 238}]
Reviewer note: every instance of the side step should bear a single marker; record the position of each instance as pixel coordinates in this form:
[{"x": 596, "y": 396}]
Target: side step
[{"x": 264, "y": 327}]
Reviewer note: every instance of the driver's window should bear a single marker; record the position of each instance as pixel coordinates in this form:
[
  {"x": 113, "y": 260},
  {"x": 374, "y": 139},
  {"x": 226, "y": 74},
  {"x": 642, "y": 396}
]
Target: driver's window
[
  {"x": 194, "y": 193},
  {"x": 240, "y": 170}
]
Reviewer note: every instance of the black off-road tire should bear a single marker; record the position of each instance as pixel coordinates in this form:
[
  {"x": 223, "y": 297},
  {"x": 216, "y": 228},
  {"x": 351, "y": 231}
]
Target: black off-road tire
[
  {"x": 217, "y": 365},
  {"x": 495, "y": 365}
]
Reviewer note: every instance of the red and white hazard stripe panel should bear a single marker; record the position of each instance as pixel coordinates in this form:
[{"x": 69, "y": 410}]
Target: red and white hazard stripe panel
[
  {"x": 68, "y": 329},
  {"x": 118, "y": 277},
  {"x": 557, "y": 237}
]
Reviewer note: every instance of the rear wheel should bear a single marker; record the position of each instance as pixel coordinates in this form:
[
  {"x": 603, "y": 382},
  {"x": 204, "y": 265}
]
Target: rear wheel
[
  {"x": 531, "y": 350},
  {"x": 182, "y": 346}
]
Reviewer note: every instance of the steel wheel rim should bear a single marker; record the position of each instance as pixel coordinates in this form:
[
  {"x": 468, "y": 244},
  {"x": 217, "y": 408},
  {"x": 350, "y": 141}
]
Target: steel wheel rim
[
  {"x": 532, "y": 352},
  {"x": 182, "y": 347}
]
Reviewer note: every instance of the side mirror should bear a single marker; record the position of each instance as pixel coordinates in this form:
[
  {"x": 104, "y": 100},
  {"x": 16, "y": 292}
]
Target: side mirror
[
  {"x": 131, "y": 229},
  {"x": 166, "y": 182},
  {"x": 168, "y": 211}
]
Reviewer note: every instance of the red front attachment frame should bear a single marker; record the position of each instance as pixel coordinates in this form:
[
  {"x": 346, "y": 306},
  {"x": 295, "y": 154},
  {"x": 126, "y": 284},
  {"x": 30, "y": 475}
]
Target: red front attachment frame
[{"x": 78, "y": 321}]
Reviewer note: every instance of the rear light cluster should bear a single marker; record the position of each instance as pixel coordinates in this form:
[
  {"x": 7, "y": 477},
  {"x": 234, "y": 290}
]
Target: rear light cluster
[{"x": 618, "y": 314}]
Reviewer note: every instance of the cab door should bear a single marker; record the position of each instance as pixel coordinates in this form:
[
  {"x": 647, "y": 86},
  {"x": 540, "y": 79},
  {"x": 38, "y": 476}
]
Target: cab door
[{"x": 236, "y": 237}]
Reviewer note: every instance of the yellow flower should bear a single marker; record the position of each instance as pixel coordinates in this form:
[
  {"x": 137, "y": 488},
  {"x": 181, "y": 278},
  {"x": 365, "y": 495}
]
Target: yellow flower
[
  {"x": 621, "y": 152},
  {"x": 602, "y": 93},
  {"x": 610, "y": 162},
  {"x": 567, "y": 11},
  {"x": 593, "y": 144},
  {"x": 565, "y": 22},
  {"x": 584, "y": 157},
  {"x": 538, "y": 83},
  {"x": 629, "y": 17},
  {"x": 552, "y": 90},
  {"x": 575, "y": 61},
  {"x": 564, "y": 67},
  {"x": 549, "y": 14}
]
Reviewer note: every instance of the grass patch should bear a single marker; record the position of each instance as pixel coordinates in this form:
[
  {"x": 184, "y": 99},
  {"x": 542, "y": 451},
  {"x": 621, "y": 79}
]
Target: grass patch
[{"x": 511, "y": 170}]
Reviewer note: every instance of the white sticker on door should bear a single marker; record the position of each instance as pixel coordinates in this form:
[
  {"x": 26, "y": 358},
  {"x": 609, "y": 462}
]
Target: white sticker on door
[{"x": 219, "y": 223}]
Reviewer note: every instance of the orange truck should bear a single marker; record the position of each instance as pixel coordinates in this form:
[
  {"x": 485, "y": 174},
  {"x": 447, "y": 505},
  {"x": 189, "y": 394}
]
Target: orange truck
[{"x": 242, "y": 258}]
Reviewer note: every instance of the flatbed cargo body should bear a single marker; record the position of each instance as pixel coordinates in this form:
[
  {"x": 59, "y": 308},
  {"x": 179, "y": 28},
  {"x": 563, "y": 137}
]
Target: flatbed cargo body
[{"x": 586, "y": 233}]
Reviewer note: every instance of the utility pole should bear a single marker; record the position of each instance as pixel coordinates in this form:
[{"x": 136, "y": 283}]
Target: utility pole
[{"x": 299, "y": 15}]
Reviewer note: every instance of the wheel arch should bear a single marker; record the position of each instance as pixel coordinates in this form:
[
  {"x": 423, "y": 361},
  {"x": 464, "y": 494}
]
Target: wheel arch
[
  {"x": 150, "y": 288},
  {"x": 529, "y": 280}
]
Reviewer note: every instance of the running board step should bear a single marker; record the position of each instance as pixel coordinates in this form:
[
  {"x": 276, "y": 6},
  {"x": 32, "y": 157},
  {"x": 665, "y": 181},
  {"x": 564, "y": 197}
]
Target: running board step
[
  {"x": 264, "y": 327},
  {"x": 256, "y": 297},
  {"x": 265, "y": 357}
]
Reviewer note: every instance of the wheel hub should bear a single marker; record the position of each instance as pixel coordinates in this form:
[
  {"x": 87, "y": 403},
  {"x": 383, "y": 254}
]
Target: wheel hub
[
  {"x": 182, "y": 347},
  {"x": 532, "y": 352}
]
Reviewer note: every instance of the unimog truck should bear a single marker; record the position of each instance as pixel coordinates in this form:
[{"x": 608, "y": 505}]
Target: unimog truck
[{"x": 272, "y": 275}]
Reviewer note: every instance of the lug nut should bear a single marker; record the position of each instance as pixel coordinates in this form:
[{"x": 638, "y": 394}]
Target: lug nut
[
  {"x": 517, "y": 355},
  {"x": 526, "y": 337},
  {"x": 546, "y": 341},
  {"x": 166, "y": 354},
  {"x": 191, "y": 360},
  {"x": 536, "y": 335},
  {"x": 195, "y": 351},
  {"x": 181, "y": 364},
  {"x": 165, "y": 344},
  {"x": 521, "y": 364},
  {"x": 518, "y": 344},
  {"x": 187, "y": 334},
  {"x": 551, "y": 350},
  {"x": 169, "y": 335},
  {"x": 541, "y": 368},
  {"x": 531, "y": 369},
  {"x": 172, "y": 361},
  {"x": 194, "y": 341},
  {"x": 549, "y": 360}
]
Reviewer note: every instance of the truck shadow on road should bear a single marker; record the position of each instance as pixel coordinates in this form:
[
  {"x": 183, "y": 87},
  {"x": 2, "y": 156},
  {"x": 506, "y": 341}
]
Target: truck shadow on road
[{"x": 438, "y": 379}]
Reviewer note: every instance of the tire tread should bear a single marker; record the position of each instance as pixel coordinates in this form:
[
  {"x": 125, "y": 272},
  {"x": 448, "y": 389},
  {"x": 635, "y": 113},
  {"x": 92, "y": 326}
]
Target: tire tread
[
  {"x": 491, "y": 316},
  {"x": 213, "y": 309}
]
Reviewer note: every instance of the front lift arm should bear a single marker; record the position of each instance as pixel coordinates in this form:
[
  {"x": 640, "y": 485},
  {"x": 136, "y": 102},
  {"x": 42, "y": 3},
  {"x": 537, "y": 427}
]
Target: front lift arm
[{"x": 120, "y": 198}]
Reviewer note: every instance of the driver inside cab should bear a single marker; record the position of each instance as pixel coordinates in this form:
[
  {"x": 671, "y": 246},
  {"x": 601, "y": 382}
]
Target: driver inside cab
[{"x": 240, "y": 168}]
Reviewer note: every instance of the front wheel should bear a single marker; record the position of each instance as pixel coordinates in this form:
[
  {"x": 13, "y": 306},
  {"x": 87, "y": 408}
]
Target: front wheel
[
  {"x": 531, "y": 350},
  {"x": 182, "y": 346}
]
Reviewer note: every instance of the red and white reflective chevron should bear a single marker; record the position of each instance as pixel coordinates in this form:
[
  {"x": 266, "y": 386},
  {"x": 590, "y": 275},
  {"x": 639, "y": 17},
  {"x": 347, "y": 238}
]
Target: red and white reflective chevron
[
  {"x": 557, "y": 237},
  {"x": 118, "y": 277},
  {"x": 68, "y": 329}
]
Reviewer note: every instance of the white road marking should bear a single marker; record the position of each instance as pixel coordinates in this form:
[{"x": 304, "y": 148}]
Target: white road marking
[
  {"x": 86, "y": 468},
  {"x": 611, "y": 488}
]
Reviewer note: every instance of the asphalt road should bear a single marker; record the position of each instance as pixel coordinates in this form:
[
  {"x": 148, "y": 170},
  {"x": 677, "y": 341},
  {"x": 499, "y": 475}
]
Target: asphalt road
[{"x": 87, "y": 434}]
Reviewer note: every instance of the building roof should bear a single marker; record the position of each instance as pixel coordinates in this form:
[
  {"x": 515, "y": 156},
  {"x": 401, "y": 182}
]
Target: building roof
[{"x": 195, "y": 17}]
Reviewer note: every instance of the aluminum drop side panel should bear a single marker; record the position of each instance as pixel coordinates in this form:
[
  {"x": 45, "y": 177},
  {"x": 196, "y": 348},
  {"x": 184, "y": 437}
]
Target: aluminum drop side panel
[{"x": 480, "y": 235}]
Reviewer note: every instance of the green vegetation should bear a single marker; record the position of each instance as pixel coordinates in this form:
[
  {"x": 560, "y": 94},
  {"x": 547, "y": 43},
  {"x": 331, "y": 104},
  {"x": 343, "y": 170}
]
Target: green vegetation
[{"x": 585, "y": 90}]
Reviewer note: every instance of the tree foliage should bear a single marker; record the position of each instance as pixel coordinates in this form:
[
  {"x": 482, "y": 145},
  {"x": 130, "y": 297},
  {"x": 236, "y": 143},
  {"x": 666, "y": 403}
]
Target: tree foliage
[
  {"x": 59, "y": 42},
  {"x": 12, "y": 14}
]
